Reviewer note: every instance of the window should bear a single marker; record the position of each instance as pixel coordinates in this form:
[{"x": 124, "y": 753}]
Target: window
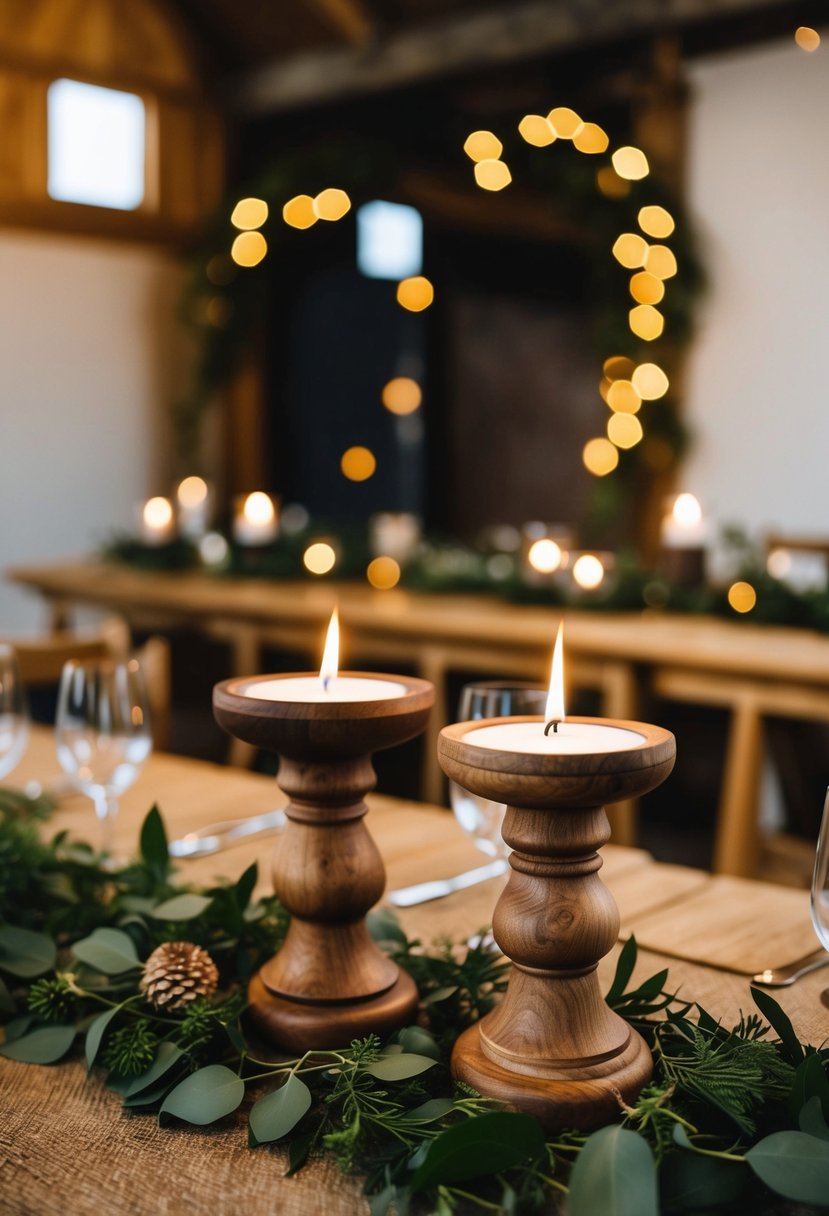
[
  {"x": 95, "y": 145},
  {"x": 389, "y": 240}
]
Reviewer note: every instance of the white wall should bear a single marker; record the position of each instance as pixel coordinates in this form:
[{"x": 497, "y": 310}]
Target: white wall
[
  {"x": 88, "y": 356},
  {"x": 759, "y": 369}
]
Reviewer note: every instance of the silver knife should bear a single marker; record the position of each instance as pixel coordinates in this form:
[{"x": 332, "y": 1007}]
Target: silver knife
[
  {"x": 219, "y": 836},
  {"x": 422, "y": 892}
]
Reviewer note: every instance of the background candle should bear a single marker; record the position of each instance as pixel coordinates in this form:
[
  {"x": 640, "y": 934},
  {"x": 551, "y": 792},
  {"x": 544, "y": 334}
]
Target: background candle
[
  {"x": 156, "y": 525},
  {"x": 255, "y": 520},
  {"x": 193, "y": 504}
]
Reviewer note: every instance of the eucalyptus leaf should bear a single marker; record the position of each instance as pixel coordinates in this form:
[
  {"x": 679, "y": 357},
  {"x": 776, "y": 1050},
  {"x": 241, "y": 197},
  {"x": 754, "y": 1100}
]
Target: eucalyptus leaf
[
  {"x": 108, "y": 950},
  {"x": 17, "y": 1027},
  {"x": 384, "y": 926},
  {"x": 181, "y": 907},
  {"x": 154, "y": 1094},
  {"x": 299, "y": 1150},
  {"x": 440, "y": 994},
  {"x": 25, "y": 953},
  {"x": 204, "y": 1096},
  {"x": 810, "y": 1119},
  {"x": 278, "y": 1113},
  {"x": 810, "y": 1081},
  {"x": 45, "y": 1045},
  {"x": 244, "y": 887},
  {"x": 7, "y": 1005},
  {"x": 167, "y": 1055},
  {"x": 624, "y": 970},
  {"x": 153, "y": 844},
  {"x": 399, "y": 1067},
  {"x": 614, "y": 1174},
  {"x": 779, "y": 1021},
  {"x": 95, "y": 1034},
  {"x": 429, "y": 1112},
  {"x": 484, "y": 1145},
  {"x": 794, "y": 1165},
  {"x": 416, "y": 1039},
  {"x": 690, "y": 1181}
]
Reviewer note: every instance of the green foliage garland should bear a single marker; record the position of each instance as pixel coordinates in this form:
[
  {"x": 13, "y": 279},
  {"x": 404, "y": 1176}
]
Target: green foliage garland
[{"x": 732, "y": 1116}]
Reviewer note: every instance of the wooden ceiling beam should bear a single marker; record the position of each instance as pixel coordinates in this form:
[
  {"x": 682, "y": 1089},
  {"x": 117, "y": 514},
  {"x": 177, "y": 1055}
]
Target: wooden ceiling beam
[
  {"x": 517, "y": 30},
  {"x": 350, "y": 19}
]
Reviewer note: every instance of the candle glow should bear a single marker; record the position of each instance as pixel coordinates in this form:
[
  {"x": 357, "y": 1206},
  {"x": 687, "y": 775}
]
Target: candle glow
[
  {"x": 330, "y": 664},
  {"x": 554, "y": 711}
]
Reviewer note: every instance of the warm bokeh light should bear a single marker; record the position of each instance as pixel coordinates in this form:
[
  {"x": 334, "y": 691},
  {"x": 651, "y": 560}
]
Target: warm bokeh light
[
  {"x": 661, "y": 262},
  {"x": 492, "y": 174},
  {"x": 565, "y": 122},
  {"x": 686, "y": 510},
  {"x": 248, "y": 249},
  {"x": 331, "y": 204},
  {"x": 591, "y": 139},
  {"x": 630, "y": 163},
  {"x": 610, "y": 184},
  {"x": 625, "y": 430},
  {"x": 646, "y": 288},
  {"x": 630, "y": 250},
  {"x": 646, "y": 322},
  {"x": 618, "y": 367},
  {"x": 415, "y": 293},
  {"x": 402, "y": 395},
  {"x": 218, "y": 311},
  {"x": 600, "y": 457},
  {"x": 191, "y": 491},
  {"x": 483, "y": 145},
  {"x": 383, "y": 573},
  {"x": 742, "y": 597},
  {"x": 656, "y": 221},
  {"x": 319, "y": 557},
  {"x": 213, "y": 549},
  {"x": 158, "y": 512},
  {"x": 249, "y": 213},
  {"x": 259, "y": 508},
  {"x": 537, "y": 130},
  {"x": 807, "y": 38},
  {"x": 588, "y": 572},
  {"x": 779, "y": 563},
  {"x": 650, "y": 381},
  {"x": 358, "y": 463},
  {"x": 299, "y": 211},
  {"x": 604, "y": 387},
  {"x": 544, "y": 555},
  {"x": 623, "y": 398}
]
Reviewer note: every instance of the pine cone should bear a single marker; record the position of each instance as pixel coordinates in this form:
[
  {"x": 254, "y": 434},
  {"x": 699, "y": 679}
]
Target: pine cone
[{"x": 176, "y": 973}]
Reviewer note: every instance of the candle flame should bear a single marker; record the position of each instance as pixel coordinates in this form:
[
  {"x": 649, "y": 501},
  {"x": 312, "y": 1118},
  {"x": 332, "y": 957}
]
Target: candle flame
[
  {"x": 331, "y": 654},
  {"x": 554, "y": 711}
]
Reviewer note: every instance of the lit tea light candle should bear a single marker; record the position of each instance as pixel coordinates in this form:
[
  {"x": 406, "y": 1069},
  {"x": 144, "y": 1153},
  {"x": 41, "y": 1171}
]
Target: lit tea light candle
[
  {"x": 545, "y": 550},
  {"x": 156, "y": 525},
  {"x": 327, "y": 687},
  {"x": 255, "y": 521},
  {"x": 555, "y": 736},
  {"x": 193, "y": 502},
  {"x": 684, "y": 527},
  {"x": 394, "y": 534}
]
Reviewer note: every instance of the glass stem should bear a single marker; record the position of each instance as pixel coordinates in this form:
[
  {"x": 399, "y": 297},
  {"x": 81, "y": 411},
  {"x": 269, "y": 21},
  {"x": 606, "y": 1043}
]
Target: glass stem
[{"x": 106, "y": 808}]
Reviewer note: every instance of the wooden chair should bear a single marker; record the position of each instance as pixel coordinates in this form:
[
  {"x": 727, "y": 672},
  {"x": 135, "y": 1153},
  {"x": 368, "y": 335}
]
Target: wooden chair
[{"x": 41, "y": 662}]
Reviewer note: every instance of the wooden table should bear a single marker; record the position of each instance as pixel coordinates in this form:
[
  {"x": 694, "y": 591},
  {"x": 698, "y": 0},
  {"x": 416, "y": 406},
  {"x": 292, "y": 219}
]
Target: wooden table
[
  {"x": 752, "y": 670},
  {"x": 66, "y": 1148}
]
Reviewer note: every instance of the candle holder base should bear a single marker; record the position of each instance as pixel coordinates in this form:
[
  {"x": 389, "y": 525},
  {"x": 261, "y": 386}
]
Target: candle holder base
[
  {"x": 294, "y": 1024},
  {"x": 571, "y": 1096}
]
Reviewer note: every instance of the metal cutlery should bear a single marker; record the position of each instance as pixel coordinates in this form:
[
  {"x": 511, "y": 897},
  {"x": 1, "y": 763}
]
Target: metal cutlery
[
  {"x": 217, "y": 836},
  {"x": 422, "y": 892},
  {"x": 779, "y": 977}
]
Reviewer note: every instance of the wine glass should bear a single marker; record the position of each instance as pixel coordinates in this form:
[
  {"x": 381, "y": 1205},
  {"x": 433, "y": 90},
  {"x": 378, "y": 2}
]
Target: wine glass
[
  {"x": 820, "y": 886},
  {"x": 480, "y": 817},
  {"x": 14, "y": 711},
  {"x": 102, "y": 729}
]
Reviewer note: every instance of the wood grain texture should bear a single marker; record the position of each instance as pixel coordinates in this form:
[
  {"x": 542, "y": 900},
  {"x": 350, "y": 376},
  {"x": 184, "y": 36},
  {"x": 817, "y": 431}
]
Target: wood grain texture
[{"x": 330, "y": 982}]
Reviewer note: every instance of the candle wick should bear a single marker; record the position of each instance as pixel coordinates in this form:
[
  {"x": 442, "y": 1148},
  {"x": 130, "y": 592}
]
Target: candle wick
[
  {"x": 326, "y": 680},
  {"x": 555, "y": 725}
]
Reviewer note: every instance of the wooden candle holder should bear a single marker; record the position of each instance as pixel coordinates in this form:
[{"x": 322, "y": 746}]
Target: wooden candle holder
[
  {"x": 329, "y": 983},
  {"x": 553, "y": 1047}
]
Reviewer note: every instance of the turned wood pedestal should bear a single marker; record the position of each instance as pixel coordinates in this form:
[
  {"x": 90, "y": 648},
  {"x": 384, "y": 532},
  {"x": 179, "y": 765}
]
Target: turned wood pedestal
[
  {"x": 552, "y": 1047},
  {"x": 329, "y": 983}
]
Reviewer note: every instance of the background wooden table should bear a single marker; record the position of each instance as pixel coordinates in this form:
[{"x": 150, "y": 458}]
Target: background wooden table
[{"x": 67, "y": 1149}]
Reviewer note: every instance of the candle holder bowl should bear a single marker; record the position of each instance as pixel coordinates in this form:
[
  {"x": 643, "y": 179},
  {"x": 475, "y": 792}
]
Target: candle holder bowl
[
  {"x": 553, "y": 1047},
  {"x": 329, "y": 983}
]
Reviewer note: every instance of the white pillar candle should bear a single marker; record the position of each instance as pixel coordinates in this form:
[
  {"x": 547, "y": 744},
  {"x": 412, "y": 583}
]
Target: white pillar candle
[
  {"x": 193, "y": 506},
  {"x": 571, "y": 738},
  {"x": 313, "y": 689},
  {"x": 156, "y": 525},
  {"x": 684, "y": 527},
  {"x": 255, "y": 520}
]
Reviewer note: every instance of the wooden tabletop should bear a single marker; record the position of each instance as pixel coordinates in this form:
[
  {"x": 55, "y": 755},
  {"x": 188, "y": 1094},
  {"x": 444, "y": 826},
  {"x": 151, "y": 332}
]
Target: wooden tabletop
[{"x": 67, "y": 1149}]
